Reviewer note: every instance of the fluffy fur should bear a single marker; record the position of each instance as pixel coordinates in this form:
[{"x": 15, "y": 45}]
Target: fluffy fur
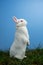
[{"x": 21, "y": 40}]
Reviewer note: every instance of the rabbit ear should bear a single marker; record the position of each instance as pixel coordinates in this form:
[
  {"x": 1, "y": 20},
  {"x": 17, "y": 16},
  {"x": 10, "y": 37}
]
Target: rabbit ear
[{"x": 15, "y": 19}]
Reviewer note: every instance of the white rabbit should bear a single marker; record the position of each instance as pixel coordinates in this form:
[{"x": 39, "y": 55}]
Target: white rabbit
[{"x": 21, "y": 40}]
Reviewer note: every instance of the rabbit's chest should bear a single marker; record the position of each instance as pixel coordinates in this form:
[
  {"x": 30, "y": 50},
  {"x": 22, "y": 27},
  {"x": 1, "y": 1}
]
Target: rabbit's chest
[
  {"x": 22, "y": 30},
  {"x": 22, "y": 33}
]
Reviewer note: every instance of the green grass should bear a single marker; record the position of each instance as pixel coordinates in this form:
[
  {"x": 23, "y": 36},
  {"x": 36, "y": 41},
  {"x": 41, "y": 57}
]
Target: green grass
[{"x": 34, "y": 57}]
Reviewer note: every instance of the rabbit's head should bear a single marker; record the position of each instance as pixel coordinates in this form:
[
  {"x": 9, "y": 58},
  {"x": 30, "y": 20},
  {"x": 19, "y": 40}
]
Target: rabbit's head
[{"x": 20, "y": 22}]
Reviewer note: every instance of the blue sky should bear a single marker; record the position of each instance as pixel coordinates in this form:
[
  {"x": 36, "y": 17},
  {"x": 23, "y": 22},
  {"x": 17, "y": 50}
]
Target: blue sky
[{"x": 31, "y": 10}]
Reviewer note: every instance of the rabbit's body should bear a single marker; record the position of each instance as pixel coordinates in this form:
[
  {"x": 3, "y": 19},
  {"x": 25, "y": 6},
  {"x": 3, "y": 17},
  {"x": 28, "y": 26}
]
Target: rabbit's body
[{"x": 18, "y": 47}]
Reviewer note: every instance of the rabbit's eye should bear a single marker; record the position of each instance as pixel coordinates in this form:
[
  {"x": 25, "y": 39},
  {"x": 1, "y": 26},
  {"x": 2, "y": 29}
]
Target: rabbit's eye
[{"x": 21, "y": 20}]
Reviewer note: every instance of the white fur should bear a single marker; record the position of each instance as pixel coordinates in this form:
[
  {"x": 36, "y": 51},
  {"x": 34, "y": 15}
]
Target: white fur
[{"x": 18, "y": 47}]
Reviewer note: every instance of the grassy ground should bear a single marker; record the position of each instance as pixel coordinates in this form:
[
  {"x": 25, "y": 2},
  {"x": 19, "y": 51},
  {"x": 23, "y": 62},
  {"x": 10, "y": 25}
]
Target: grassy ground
[{"x": 34, "y": 57}]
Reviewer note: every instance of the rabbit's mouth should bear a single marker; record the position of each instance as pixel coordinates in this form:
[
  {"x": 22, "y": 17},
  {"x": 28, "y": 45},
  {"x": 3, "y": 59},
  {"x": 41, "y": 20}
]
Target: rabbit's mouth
[{"x": 20, "y": 25}]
